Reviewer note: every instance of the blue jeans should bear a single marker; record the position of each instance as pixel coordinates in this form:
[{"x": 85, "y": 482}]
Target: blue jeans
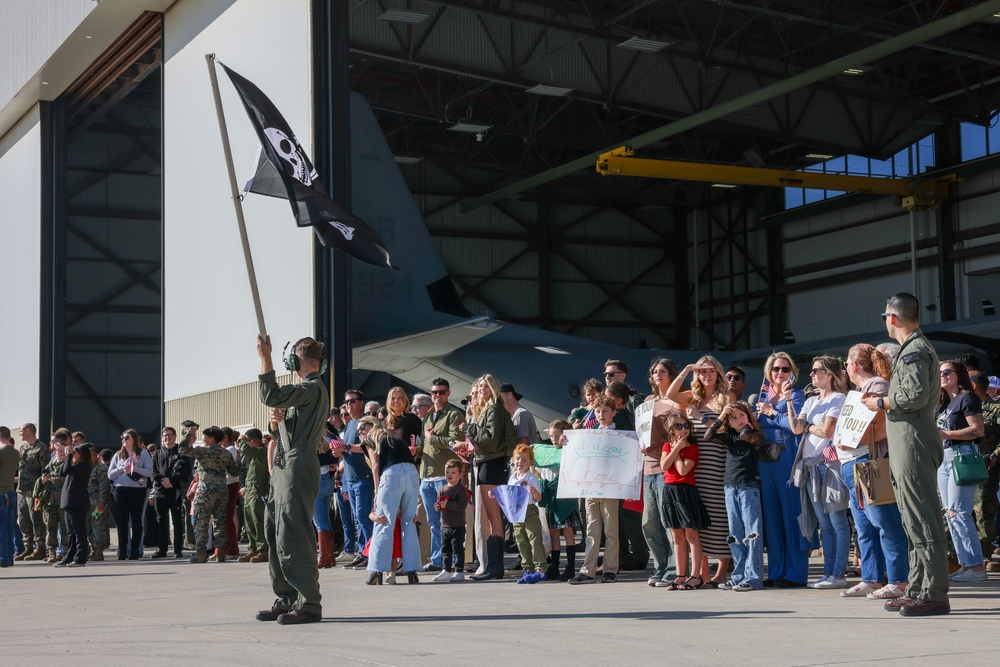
[
  {"x": 881, "y": 538},
  {"x": 429, "y": 496},
  {"x": 745, "y": 540},
  {"x": 958, "y": 500},
  {"x": 8, "y": 527},
  {"x": 398, "y": 489},
  {"x": 347, "y": 521},
  {"x": 321, "y": 511},
  {"x": 361, "y": 493},
  {"x": 835, "y": 534},
  {"x": 654, "y": 527}
]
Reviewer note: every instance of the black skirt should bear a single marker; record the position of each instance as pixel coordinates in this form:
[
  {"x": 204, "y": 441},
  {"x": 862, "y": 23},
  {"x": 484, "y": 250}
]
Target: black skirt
[{"x": 682, "y": 507}]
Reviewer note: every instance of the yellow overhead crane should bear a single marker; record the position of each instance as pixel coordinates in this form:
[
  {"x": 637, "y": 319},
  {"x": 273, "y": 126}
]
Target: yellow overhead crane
[{"x": 910, "y": 194}]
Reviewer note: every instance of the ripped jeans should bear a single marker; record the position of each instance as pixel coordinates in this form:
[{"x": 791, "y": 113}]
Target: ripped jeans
[{"x": 745, "y": 540}]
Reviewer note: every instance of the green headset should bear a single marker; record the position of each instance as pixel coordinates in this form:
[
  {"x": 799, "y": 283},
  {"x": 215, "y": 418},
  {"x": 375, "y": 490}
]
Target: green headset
[{"x": 292, "y": 360}]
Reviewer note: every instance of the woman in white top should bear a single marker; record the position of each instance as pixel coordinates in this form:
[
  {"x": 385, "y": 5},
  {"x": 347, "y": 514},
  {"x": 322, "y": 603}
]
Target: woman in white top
[
  {"x": 130, "y": 471},
  {"x": 818, "y": 419}
]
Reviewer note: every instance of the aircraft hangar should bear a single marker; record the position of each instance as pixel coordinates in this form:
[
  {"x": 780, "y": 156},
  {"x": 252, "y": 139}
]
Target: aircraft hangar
[{"x": 469, "y": 133}]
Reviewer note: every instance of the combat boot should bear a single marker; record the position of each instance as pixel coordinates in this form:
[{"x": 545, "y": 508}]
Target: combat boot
[
  {"x": 200, "y": 556},
  {"x": 37, "y": 554},
  {"x": 246, "y": 558},
  {"x": 24, "y": 554},
  {"x": 259, "y": 557},
  {"x": 97, "y": 555},
  {"x": 53, "y": 558}
]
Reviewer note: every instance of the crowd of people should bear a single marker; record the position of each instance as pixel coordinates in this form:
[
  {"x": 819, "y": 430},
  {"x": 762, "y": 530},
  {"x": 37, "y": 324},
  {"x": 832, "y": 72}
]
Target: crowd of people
[{"x": 410, "y": 487}]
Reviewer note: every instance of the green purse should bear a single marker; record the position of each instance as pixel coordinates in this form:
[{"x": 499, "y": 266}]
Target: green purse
[{"x": 969, "y": 469}]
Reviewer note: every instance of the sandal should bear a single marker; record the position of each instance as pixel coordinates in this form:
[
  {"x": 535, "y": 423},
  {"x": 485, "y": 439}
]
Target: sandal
[
  {"x": 689, "y": 586},
  {"x": 887, "y": 592},
  {"x": 676, "y": 585},
  {"x": 852, "y": 572},
  {"x": 710, "y": 584}
]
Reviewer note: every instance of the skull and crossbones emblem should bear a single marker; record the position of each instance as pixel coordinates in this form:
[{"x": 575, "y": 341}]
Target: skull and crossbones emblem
[{"x": 289, "y": 150}]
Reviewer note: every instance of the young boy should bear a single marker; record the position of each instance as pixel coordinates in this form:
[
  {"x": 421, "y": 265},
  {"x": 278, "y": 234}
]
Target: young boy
[
  {"x": 602, "y": 516},
  {"x": 529, "y": 533},
  {"x": 451, "y": 503}
]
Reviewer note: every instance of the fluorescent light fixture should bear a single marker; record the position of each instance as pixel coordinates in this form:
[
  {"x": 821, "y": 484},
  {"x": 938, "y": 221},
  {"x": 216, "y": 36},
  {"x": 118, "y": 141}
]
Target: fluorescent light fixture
[
  {"x": 818, "y": 156},
  {"x": 404, "y": 16},
  {"x": 858, "y": 71},
  {"x": 550, "y": 350},
  {"x": 728, "y": 186},
  {"x": 551, "y": 91},
  {"x": 407, "y": 159},
  {"x": 471, "y": 128},
  {"x": 640, "y": 44}
]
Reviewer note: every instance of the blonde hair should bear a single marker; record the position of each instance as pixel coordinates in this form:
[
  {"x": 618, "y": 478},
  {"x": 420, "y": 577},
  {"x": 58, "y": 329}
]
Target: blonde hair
[
  {"x": 698, "y": 393},
  {"x": 391, "y": 418},
  {"x": 494, "y": 386},
  {"x": 793, "y": 376},
  {"x": 832, "y": 365}
]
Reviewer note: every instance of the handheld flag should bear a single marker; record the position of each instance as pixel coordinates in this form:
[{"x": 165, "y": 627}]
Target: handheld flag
[
  {"x": 311, "y": 205},
  {"x": 513, "y": 500}
]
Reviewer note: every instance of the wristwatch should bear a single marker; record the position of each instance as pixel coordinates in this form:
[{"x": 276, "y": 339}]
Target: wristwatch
[{"x": 880, "y": 403}]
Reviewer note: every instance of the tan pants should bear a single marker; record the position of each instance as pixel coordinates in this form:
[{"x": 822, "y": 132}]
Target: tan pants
[{"x": 602, "y": 518}]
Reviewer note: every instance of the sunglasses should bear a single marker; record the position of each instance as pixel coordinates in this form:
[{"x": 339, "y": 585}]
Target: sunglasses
[
  {"x": 885, "y": 315},
  {"x": 946, "y": 372},
  {"x": 816, "y": 371},
  {"x": 682, "y": 426},
  {"x": 781, "y": 369},
  {"x": 353, "y": 400},
  {"x": 611, "y": 373},
  {"x": 126, "y": 437},
  {"x": 734, "y": 377},
  {"x": 438, "y": 392}
]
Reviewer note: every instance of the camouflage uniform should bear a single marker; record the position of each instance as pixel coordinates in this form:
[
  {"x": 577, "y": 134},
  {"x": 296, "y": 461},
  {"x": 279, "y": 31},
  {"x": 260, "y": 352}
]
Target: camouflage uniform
[
  {"x": 34, "y": 458},
  {"x": 47, "y": 496},
  {"x": 212, "y": 495},
  {"x": 987, "y": 504},
  {"x": 99, "y": 490},
  {"x": 257, "y": 481}
]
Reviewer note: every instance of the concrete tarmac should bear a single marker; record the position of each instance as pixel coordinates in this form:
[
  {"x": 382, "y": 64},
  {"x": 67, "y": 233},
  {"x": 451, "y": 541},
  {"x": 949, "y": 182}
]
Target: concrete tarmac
[{"x": 170, "y": 612}]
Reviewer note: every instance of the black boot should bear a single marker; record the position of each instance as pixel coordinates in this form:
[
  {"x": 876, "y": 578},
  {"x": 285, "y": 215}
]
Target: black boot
[
  {"x": 552, "y": 573},
  {"x": 570, "y": 570},
  {"x": 494, "y": 560}
]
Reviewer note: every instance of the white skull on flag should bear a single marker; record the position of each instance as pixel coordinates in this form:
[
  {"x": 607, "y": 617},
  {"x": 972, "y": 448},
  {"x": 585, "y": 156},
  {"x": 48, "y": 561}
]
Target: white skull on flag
[{"x": 289, "y": 150}]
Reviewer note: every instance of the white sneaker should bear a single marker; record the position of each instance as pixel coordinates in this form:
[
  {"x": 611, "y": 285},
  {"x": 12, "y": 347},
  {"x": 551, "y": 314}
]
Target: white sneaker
[
  {"x": 816, "y": 584},
  {"x": 443, "y": 575},
  {"x": 391, "y": 579},
  {"x": 346, "y": 557},
  {"x": 831, "y": 582},
  {"x": 970, "y": 575},
  {"x": 458, "y": 576}
]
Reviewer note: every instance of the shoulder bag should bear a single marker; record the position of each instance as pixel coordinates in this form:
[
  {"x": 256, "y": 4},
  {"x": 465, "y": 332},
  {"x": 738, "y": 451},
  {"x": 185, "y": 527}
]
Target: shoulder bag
[
  {"x": 969, "y": 469},
  {"x": 871, "y": 477}
]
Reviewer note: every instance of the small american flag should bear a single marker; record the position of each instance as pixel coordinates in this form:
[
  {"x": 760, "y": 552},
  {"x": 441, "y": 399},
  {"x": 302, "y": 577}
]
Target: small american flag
[
  {"x": 768, "y": 390},
  {"x": 590, "y": 421}
]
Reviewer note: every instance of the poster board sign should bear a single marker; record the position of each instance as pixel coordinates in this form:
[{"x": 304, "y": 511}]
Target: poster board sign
[
  {"x": 644, "y": 423},
  {"x": 599, "y": 463},
  {"x": 853, "y": 422}
]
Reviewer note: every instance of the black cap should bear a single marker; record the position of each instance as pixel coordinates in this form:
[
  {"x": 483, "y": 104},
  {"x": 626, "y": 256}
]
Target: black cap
[
  {"x": 509, "y": 389},
  {"x": 187, "y": 423}
]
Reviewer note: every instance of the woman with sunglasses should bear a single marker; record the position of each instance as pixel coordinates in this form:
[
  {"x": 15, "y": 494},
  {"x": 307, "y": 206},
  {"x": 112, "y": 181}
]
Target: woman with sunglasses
[
  {"x": 960, "y": 420},
  {"x": 787, "y": 550},
  {"x": 130, "y": 471},
  {"x": 703, "y": 403},
  {"x": 685, "y": 512},
  {"x": 818, "y": 420}
]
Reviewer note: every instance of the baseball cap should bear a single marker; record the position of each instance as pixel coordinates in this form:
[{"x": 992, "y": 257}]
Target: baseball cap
[
  {"x": 509, "y": 389},
  {"x": 994, "y": 382}
]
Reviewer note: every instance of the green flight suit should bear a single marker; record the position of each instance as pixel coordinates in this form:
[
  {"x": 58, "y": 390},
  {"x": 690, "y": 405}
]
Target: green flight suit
[
  {"x": 915, "y": 454},
  {"x": 294, "y": 487},
  {"x": 255, "y": 490}
]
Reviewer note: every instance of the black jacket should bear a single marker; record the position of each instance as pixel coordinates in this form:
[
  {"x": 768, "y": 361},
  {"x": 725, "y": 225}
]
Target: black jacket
[
  {"x": 169, "y": 464},
  {"x": 74, "y": 491}
]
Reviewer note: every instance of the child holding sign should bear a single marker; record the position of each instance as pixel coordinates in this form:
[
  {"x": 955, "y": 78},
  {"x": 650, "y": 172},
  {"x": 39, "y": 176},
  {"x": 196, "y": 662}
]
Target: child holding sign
[
  {"x": 683, "y": 509},
  {"x": 529, "y": 532}
]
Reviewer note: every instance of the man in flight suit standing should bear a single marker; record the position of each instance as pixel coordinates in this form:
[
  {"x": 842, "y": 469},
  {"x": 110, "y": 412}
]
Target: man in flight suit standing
[
  {"x": 915, "y": 453},
  {"x": 294, "y": 482}
]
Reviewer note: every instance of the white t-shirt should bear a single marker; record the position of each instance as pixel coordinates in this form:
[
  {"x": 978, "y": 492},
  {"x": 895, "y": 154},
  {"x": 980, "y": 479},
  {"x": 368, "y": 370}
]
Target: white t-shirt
[
  {"x": 231, "y": 479},
  {"x": 815, "y": 411},
  {"x": 527, "y": 479}
]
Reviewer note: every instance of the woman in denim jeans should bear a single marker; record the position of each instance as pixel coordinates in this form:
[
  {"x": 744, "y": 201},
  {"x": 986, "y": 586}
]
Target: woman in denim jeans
[
  {"x": 960, "y": 420},
  {"x": 818, "y": 420},
  {"x": 881, "y": 538}
]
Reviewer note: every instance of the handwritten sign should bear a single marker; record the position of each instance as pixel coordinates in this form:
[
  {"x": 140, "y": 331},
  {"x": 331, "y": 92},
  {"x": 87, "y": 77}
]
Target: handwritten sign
[
  {"x": 599, "y": 463},
  {"x": 853, "y": 422},
  {"x": 547, "y": 456},
  {"x": 644, "y": 422}
]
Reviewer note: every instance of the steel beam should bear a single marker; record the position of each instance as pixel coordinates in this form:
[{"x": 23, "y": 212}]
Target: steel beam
[{"x": 863, "y": 56}]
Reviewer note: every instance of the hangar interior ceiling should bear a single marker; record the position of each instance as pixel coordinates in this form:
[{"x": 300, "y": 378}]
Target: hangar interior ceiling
[{"x": 612, "y": 258}]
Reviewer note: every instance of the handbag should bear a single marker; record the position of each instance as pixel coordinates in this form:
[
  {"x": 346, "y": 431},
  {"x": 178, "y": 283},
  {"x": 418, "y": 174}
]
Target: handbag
[
  {"x": 872, "y": 477},
  {"x": 769, "y": 452},
  {"x": 969, "y": 469}
]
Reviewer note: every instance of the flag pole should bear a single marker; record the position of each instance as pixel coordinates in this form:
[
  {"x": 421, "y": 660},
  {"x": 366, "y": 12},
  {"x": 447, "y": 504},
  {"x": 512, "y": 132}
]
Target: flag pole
[{"x": 234, "y": 189}]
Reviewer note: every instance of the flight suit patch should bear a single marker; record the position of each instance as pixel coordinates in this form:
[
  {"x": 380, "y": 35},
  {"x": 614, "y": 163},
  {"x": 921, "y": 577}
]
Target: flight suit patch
[{"x": 911, "y": 358}]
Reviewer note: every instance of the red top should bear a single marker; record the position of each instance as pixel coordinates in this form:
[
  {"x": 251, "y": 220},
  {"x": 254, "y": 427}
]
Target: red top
[{"x": 670, "y": 476}]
